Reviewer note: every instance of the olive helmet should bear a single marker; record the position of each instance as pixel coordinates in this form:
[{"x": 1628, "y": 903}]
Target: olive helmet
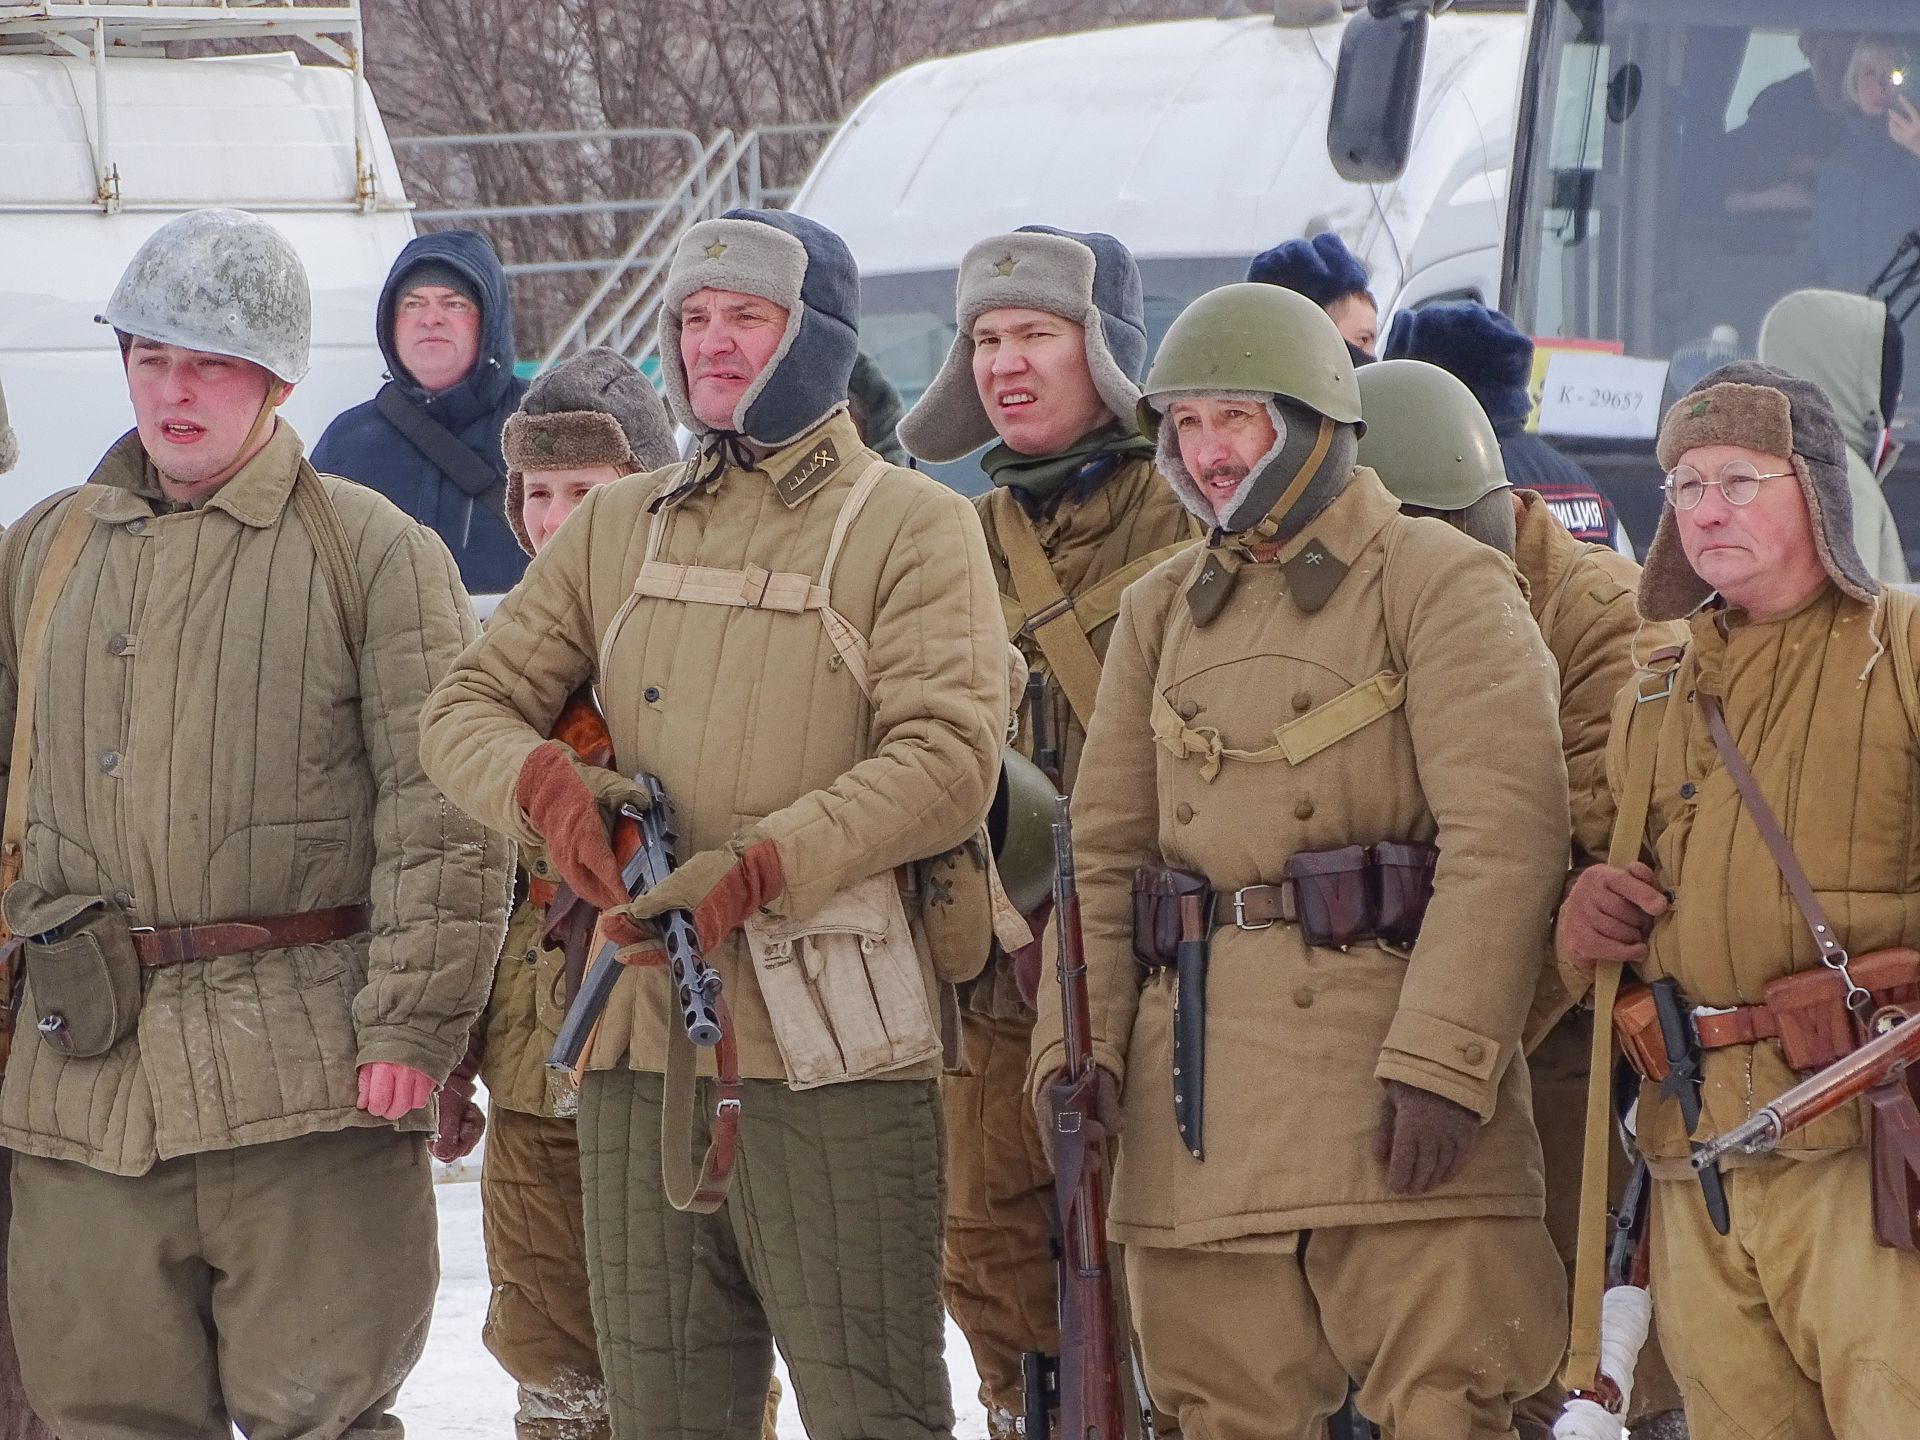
[
  {"x": 1020, "y": 829},
  {"x": 1427, "y": 438},
  {"x": 1258, "y": 340},
  {"x": 220, "y": 281}
]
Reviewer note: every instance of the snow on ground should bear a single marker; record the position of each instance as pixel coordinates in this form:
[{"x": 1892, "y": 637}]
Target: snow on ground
[{"x": 458, "y": 1393}]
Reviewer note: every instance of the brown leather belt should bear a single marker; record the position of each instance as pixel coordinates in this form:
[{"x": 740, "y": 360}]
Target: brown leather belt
[
  {"x": 1740, "y": 1025},
  {"x": 1254, "y": 907},
  {"x": 177, "y": 944}
]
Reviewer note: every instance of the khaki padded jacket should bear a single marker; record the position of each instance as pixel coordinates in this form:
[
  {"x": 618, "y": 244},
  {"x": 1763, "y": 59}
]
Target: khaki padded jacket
[
  {"x": 206, "y": 748},
  {"x": 749, "y": 716}
]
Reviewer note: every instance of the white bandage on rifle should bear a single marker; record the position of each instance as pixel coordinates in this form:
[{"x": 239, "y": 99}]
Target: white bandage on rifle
[{"x": 1626, "y": 1311}]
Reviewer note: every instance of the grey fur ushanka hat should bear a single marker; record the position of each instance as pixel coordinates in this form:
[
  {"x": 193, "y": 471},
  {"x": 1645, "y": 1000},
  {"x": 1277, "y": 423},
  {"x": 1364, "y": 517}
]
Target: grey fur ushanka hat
[
  {"x": 801, "y": 266},
  {"x": 594, "y": 409},
  {"x": 1764, "y": 409},
  {"x": 1090, "y": 279}
]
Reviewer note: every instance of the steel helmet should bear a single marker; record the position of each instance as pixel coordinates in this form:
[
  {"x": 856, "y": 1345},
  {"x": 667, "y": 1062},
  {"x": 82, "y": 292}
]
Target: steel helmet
[
  {"x": 224, "y": 282},
  {"x": 1020, "y": 828},
  {"x": 1257, "y": 339},
  {"x": 1427, "y": 437}
]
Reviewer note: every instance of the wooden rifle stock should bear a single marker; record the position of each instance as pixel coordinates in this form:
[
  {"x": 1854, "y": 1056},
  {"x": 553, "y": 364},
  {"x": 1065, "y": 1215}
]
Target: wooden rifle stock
[
  {"x": 1089, "y": 1370},
  {"x": 1895, "y": 1044}
]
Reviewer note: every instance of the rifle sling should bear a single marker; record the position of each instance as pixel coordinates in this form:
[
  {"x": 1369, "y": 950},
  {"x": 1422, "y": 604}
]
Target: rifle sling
[
  {"x": 1641, "y": 742},
  {"x": 706, "y": 1192}
]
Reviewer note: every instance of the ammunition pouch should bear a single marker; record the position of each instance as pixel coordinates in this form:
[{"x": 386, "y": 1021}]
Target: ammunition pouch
[
  {"x": 1806, "y": 1012},
  {"x": 1338, "y": 898},
  {"x": 83, "y": 975},
  {"x": 844, "y": 988}
]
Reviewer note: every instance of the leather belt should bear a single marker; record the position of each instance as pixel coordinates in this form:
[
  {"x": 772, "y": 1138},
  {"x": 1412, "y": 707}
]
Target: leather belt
[
  {"x": 1739, "y": 1025},
  {"x": 1254, "y": 907},
  {"x": 177, "y": 944}
]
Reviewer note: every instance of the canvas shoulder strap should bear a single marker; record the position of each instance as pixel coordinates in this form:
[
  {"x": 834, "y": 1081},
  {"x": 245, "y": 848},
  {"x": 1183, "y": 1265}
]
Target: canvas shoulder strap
[
  {"x": 756, "y": 588},
  {"x": 1049, "y": 617},
  {"x": 76, "y": 524},
  {"x": 447, "y": 451},
  {"x": 1642, "y": 744},
  {"x": 321, "y": 519}
]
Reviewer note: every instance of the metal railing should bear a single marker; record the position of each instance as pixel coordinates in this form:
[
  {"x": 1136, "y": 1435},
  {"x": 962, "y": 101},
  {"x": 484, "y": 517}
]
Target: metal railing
[{"x": 94, "y": 30}]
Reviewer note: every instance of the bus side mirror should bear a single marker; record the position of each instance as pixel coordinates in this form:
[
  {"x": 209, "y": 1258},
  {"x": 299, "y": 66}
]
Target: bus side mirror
[{"x": 1376, "y": 91}]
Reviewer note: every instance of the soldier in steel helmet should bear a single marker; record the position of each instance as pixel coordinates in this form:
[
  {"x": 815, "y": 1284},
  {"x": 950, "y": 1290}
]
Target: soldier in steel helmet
[
  {"x": 254, "y": 935},
  {"x": 1434, "y": 447},
  {"x": 1291, "y": 764}
]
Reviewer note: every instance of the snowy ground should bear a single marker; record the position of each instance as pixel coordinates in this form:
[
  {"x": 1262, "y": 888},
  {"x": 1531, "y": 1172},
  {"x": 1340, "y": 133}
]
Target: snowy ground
[{"x": 459, "y": 1393}]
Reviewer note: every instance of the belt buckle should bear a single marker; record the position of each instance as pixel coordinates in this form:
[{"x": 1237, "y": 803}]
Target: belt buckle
[
  {"x": 1046, "y": 615},
  {"x": 1697, "y": 1013},
  {"x": 729, "y": 1106},
  {"x": 1240, "y": 912},
  {"x": 1642, "y": 695}
]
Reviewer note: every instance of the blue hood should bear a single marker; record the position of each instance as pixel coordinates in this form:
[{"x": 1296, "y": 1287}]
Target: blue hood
[{"x": 468, "y": 252}]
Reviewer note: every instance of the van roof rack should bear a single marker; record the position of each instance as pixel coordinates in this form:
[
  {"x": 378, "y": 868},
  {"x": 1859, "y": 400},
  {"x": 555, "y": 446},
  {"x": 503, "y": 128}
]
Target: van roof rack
[{"x": 98, "y": 30}]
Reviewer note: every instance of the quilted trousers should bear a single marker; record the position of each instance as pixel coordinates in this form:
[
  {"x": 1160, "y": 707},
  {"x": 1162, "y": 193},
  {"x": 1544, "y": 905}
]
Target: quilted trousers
[{"x": 828, "y": 1246}]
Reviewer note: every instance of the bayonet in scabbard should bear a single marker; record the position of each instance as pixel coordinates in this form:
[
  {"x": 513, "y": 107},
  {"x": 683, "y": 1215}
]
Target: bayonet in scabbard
[
  {"x": 1190, "y": 1024},
  {"x": 1683, "y": 1082}
]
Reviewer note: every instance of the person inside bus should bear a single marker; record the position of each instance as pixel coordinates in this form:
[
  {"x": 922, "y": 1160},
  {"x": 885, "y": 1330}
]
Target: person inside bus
[
  {"x": 1868, "y": 196},
  {"x": 1774, "y": 157},
  {"x": 1325, "y": 271}
]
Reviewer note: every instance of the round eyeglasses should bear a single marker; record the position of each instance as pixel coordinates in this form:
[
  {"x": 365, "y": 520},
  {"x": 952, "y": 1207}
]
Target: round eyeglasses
[{"x": 1738, "y": 483}]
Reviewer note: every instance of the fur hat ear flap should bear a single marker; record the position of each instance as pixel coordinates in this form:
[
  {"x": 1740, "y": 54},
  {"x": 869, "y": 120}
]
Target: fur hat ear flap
[{"x": 1090, "y": 280}]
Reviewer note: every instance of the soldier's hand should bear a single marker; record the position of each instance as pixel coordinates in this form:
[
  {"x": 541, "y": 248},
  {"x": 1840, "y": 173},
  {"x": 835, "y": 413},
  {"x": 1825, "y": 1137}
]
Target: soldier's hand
[
  {"x": 391, "y": 1090},
  {"x": 718, "y": 888},
  {"x": 461, "y": 1122},
  {"x": 1102, "y": 1118},
  {"x": 554, "y": 793},
  {"x": 1423, "y": 1138},
  {"x": 1606, "y": 916}
]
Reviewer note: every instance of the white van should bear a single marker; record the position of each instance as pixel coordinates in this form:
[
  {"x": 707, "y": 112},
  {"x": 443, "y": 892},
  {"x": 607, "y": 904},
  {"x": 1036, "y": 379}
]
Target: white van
[
  {"x": 1198, "y": 143},
  {"x": 262, "y": 133}
]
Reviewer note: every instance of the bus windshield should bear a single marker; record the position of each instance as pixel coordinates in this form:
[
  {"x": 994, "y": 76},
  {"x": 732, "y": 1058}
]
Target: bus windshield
[{"x": 1688, "y": 165}]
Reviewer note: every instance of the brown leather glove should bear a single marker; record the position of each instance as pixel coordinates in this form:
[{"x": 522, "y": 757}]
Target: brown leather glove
[
  {"x": 720, "y": 888},
  {"x": 461, "y": 1121},
  {"x": 1606, "y": 915},
  {"x": 1104, "y": 1117},
  {"x": 561, "y": 799},
  {"x": 1423, "y": 1138}
]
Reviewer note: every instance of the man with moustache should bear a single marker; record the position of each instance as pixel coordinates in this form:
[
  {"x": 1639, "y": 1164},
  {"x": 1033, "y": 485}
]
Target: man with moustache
[
  {"x": 1048, "y": 357},
  {"x": 254, "y": 934},
  {"x": 1327, "y": 1172}
]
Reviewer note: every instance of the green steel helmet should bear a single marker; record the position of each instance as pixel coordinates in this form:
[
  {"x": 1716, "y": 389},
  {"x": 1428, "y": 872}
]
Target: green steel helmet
[
  {"x": 1427, "y": 437},
  {"x": 1020, "y": 828},
  {"x": 224, "y": 282},
  {"x": 1253, "y": 339}
]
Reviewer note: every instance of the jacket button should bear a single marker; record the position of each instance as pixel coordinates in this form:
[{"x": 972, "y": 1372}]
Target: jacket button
[
  {"x": 1183, "y": 812},
  {"x": 532, "y": 957},
  {"x": 543, "y": 868},
  {"x": 1473, "y": 1054},
  {"x": 109, "y": 761},
  {"x": 1303, "y": 996},
  {"x": 1188, "y": 709},
  {"x": 117, "y": 645},
  {"x": 1686, "y": 791},
  {"x": 651, "y": 694},
  {"x": 136, "y": 527},
  {"x": 123, "y": 899},
  {"x": 1302, "y": 701},
  {"x": 1304, "y": 810}
]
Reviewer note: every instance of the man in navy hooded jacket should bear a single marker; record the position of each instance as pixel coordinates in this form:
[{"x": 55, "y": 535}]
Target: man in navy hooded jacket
[{"x": 430, "y": 440}]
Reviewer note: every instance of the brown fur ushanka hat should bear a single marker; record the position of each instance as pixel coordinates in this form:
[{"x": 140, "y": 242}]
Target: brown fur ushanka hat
[
  {"x": 594, "y": 409},
  {"x": 1768, "y": 410}
]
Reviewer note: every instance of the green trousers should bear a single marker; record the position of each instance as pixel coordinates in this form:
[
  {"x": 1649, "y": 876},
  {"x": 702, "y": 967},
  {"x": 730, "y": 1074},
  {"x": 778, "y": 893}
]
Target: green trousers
[
  {"x": 283, "y": 1288},
  {"x": 828, "y": 1246}
]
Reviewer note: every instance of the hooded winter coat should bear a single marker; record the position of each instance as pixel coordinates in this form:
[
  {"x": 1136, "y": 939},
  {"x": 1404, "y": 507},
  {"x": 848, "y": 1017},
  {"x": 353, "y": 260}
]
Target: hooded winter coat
[
  {"x": 362, "y": 444},
  {"x": 1298, "y": 1037},
  {"x": 1838, "y": 342},
  {"x": 209, "y": 748}
]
